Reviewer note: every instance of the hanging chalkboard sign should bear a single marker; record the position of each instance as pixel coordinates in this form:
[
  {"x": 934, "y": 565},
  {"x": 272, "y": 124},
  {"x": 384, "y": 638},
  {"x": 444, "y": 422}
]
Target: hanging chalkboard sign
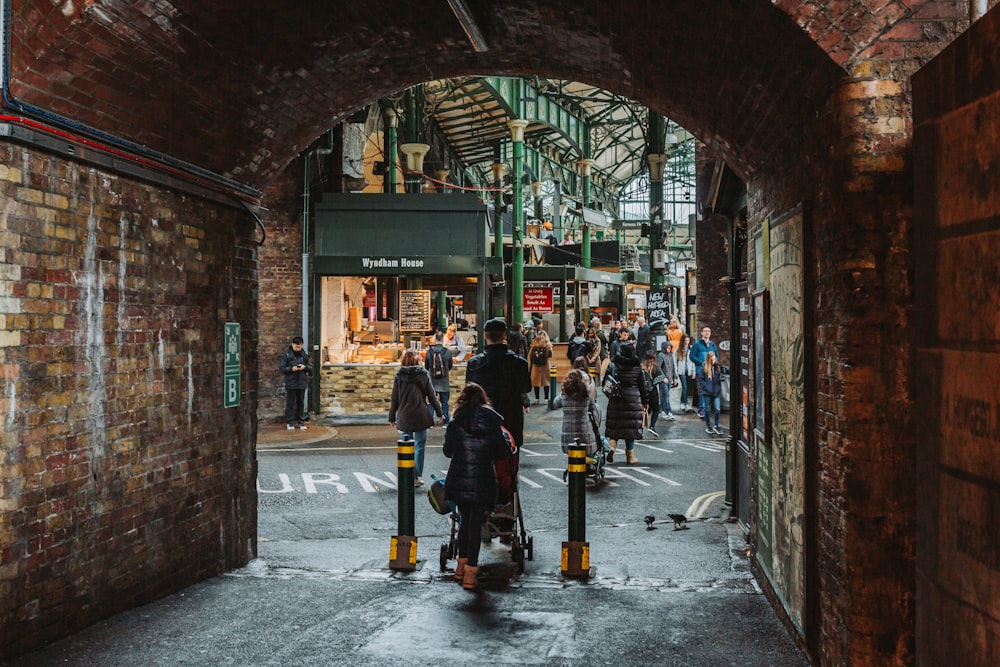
[
  {"x": 415, "y": 310},
  {"x": 658, "y": 305}
]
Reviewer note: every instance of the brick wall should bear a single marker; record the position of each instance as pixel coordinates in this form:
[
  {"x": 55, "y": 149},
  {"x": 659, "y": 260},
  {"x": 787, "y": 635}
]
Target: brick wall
[
  {"x": 713, "y": 300},
  {"x": 280, "y": 303},
  {"x": 957, "y": 245},
  {"x": 122, "y": 477}
]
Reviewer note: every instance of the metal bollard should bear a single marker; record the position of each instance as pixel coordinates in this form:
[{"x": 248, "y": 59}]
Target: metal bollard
[
  {"x": 552, "y": 387},
  {"x": 576, "y": 551},
  {"x": 403, "y": 548}
]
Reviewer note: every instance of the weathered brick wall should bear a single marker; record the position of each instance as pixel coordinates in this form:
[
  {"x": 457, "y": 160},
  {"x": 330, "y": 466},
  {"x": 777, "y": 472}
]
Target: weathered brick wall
[
  {"x": 122, "y": 477},
  {"x": 280, "y": 302},
  {"x": 712, "y": 250},
  {"x": 957, "y": 246},
  {"x": 352, "y": 389}
]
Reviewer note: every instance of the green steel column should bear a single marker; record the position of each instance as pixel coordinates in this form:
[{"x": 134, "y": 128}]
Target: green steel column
[
  {"x": 585, "y": 167},
  {"x": 517, "y": 222},
  {"x": 389, "y": 183},
  {"x": 657, "y": 161}
]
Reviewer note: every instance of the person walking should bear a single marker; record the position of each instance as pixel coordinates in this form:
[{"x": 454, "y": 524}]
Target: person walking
[
  {"x": 665, "y": 360},
  {"x": 674, "y": 332},
  {"x": 412, "y": 393},
  {"x": 578, "y": 405},
  {"x": 624, "y": 421},
  {"x": 517, "y": 341},
  {"x": 577, "y": 346},
  {"x": 711, "y": 388},
  {"x": 698, "y": 353},
  {"x": 593, "y": 350},
  {"x": 581, "y": 365},
  {"x": 296, "y": 366},
  {"x": 653, "y": 377},
  {"x": 474, "y": 442},
  {"x": 685, "y": 372},
  {"x": 595, "y": 324},
  {"x": 504, "y": 376},
  {"x": 438, "y": 363},
  {"x": 538, "y": 356},
  {"x": 641, "y": 337}
]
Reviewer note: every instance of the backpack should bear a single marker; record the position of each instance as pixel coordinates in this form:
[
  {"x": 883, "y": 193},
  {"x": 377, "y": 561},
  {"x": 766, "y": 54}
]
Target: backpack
[
  {"x": 438, "y": 364},
  {"x": 539, "y": 356},
  {"x": 576, "y": 350}
]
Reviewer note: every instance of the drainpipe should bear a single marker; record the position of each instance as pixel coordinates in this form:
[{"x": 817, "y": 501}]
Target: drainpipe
[
  {"x": 517, "y": 272},
  {"x": 305, "y": 247},
  {"x": 391, "y": 152}
]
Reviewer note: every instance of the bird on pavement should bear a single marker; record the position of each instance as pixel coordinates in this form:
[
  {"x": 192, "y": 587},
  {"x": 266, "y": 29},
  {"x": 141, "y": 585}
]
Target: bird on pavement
[
  {"x": 649, "y": 522},
  {"x": 680, "y": 521}
]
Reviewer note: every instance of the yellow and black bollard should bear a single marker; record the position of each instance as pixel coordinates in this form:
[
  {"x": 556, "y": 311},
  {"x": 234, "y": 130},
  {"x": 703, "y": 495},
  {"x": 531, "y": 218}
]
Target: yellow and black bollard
[
  {"x": 552, "y": 386},
  {"x": 576, "y": 551},
  {"x": 403, "y": 548}
]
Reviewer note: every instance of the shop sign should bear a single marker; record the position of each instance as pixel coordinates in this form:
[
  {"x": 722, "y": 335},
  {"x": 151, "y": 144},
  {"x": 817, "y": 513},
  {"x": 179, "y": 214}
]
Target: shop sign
[
  {"x": 538, "y": 299},
  {"x": 369, "y": 299}
]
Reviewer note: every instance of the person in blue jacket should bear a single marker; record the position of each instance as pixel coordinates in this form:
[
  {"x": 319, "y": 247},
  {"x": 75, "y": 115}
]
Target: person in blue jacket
[
  {"x": 697, "y": 355},
  {"x": 710, "y": 386}
]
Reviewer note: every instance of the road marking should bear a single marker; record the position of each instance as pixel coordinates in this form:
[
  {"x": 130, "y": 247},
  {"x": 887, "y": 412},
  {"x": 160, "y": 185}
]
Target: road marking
[
  {"x": 700, "y": 504},
  {"x": 658, "y": 449}
]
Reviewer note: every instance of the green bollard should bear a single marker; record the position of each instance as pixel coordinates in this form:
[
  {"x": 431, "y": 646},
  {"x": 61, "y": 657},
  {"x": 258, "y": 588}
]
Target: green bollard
[
  {"x": 403, "y": 548},
  {"x": 576, "y": 550}
]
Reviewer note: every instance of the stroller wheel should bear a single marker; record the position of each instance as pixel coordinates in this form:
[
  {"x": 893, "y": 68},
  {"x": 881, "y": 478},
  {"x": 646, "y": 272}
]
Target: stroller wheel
[{"x": 444, "y": 557}]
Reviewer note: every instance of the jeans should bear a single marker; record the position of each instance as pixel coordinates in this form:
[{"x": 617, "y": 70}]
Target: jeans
[
  {"x": 715, "y": 402},
  {"x": 664, "y": 390},
  {"x": 443, "y": 396},
  {"x": 419, "y": 442},
  {"x": 702, "y": 402},
  {"x": 684, "y": 389},
  {"x": 629, "y": 445},
  {"x": 295, "y": 409},
  {"x": 469, "y": 537}
]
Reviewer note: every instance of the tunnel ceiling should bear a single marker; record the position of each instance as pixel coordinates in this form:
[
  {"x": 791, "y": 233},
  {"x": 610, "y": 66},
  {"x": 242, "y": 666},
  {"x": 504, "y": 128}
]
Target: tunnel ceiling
[{"x": 240, "y": 88}]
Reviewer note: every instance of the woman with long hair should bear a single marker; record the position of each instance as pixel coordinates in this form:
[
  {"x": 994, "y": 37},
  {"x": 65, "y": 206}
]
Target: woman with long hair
[
  {"x": 577, "y": 405},
  {"x": 674, "y": 332},
  {"x": 412, "y": 393},
  {"x": 685, "y": 370},
  {"x": 474, "y": 442},
  {"x": 711, "y": 388},
  {"x": 580, "y": 364},
  {"x": 625, "y": 410},
  {"x": 538, "y": 358},
  {"x": 652, "y": 375}
]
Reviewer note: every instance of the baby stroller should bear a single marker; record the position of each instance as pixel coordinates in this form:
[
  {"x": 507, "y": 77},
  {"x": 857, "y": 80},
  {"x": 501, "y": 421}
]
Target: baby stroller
[
  {"x": 597, "y": 461},
  {"x": 505, "y": 521}
]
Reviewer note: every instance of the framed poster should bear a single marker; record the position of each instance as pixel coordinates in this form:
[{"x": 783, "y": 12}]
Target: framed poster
[{"x": 761, "y": 365}]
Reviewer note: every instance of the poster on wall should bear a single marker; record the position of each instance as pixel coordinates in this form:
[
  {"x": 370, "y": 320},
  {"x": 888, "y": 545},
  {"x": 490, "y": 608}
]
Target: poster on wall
[
  {"x": 743, "y": 360},
  {"x": 787, "y": 414}
]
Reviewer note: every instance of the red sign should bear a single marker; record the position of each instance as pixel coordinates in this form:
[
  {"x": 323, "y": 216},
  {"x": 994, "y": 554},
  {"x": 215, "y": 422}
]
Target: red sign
[
  {"x": 369, "y": 300},
  {"x": 538, "y": 299}
]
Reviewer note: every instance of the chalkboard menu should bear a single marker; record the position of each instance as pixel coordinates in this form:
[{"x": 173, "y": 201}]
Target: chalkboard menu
[
  {"x": 414, "y": 310},
  {"x": 657, "y": 304}
]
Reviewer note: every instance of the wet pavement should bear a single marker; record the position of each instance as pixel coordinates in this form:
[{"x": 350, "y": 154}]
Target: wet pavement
[{"x": 655, "y": 597}]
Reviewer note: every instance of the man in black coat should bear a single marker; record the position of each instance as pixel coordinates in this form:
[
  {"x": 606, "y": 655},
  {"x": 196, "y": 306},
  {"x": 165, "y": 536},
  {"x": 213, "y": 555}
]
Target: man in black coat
[
  {"x": 296, "y": 366},
  {"x": 504, "y": 375}
]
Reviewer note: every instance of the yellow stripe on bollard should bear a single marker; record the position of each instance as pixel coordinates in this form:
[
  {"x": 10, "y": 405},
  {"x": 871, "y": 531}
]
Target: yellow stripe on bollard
[{"x": 577, "y": 467}]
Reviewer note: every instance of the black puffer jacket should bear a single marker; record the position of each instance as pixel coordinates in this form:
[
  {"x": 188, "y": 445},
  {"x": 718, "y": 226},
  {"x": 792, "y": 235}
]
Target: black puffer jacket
[
  {"x": 624, "y": 420},
  {"x": 289, "y": 360},
  {"x": 473, "y": 442},
  {"x": 505, "y": 377},
  {"x": 411, "y": 394}
]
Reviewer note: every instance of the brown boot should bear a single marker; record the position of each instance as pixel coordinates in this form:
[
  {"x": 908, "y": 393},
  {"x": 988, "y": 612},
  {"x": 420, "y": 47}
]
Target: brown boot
[
  {"x": 611, "y": 454},
  {"x": 470, "y": 580},
  {"x": 630, "y": 456},
  {"x": 460, "y": 569}
]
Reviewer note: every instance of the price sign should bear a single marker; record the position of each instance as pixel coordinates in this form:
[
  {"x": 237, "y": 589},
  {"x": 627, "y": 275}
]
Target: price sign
[{"x": 414, "y": 310}]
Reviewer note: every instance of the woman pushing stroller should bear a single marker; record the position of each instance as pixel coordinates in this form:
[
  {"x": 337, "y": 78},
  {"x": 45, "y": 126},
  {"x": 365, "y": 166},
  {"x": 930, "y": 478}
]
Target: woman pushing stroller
[{"x": 474, "y": 441}]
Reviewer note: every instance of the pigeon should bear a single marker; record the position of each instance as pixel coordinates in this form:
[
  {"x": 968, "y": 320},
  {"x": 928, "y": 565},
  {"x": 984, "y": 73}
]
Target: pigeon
[
  {"x": 680, "y": 521},
  {"x": 649, "y": 522}
]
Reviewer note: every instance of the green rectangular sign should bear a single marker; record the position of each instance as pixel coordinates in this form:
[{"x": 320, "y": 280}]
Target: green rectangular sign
[{"x": 231, "y": 387}]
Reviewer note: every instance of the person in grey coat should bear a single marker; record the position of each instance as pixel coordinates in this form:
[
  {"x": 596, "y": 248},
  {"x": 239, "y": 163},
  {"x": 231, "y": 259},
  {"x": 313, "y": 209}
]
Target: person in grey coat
[
  {"x": 408, "y": 412},
  {"x": 625, "y": 411},
  {"x": 438, "y": 363},
  {"x": 576, "y": 402}
]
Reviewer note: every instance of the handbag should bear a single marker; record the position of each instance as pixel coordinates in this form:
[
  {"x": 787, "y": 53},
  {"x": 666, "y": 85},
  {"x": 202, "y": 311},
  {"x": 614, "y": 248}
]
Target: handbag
[
  {"x": 435, "y": 495},
  {"x": 611, "y": 387}
]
